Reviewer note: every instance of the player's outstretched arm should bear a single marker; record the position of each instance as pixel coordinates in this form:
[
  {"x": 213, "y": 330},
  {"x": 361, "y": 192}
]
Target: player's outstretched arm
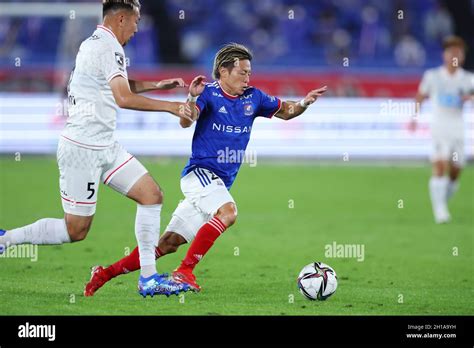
[
  {"x": 147, "y": 86},
  {"x": 291, "y": 109},
  {"x": 195, "y": 89},
  {"x": 126, "y": 99}
]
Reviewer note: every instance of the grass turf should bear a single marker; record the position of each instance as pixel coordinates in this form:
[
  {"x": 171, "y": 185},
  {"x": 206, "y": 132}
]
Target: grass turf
[{"x": 287, "y": 215}]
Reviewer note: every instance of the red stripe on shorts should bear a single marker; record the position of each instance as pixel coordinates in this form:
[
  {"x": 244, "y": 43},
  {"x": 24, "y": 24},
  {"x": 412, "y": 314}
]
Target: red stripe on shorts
[
  {"x": 120, "y": 166},
  {"x": 77, "y": 202}
]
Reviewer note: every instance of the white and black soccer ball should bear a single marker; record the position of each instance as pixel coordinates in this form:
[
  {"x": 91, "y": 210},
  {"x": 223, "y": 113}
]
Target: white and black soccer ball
[{"x": 317, "y": 281}]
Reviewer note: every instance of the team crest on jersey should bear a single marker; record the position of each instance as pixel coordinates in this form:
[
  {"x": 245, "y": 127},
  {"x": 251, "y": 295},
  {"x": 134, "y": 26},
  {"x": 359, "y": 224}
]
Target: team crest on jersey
[
  {"x": 119, "y": 58},
  {"x": 248, "y": 109}
]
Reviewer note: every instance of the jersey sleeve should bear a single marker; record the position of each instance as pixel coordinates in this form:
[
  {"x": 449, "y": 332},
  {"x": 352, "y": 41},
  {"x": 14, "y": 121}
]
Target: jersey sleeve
[
  {"x": 425, "y": 84},
  {"x": 202, "y": 101},
  {"x": 113, "y": 63},
  {"x": 268, "y": 105}
]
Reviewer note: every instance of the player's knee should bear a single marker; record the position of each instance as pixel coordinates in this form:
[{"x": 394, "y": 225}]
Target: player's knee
[
  {"x": 146, "y": 191},
  {"x": 228, "y": 214},
  {"x": 157, "y": 195},
  {"x": 439, "y": 168},
  {"x": 231, "y": 219},
  {"x": 153, "y": 196}
]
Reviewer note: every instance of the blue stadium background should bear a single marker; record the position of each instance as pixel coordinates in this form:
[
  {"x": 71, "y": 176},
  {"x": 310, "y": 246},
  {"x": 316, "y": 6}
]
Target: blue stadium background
[{"x": 185, "y": 32}]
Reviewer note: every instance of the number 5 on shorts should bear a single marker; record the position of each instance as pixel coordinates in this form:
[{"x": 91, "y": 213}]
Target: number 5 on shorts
[{"x": 90, "y": 189}]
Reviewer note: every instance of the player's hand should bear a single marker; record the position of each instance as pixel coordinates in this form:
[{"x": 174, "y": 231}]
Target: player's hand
[
  {"x": 171, "y": 83},
  {"x": 182, "y": 110},
  {"x": 197, "y": 85},
  {"x": 312, "y": 96}
]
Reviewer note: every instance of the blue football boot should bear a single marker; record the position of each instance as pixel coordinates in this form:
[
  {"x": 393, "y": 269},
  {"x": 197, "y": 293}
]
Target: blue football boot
[{"x": 159, "y": 284}]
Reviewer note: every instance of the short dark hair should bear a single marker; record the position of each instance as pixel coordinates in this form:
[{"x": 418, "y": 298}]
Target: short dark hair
[
  {"x": 113, "y": 5},
  {"x": 228, "y": 55},
  {"x": 454, "y": 41}
]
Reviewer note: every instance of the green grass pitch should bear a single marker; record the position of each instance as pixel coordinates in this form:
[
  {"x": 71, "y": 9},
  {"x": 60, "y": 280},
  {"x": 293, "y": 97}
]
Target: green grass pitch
[{"x": 287, "y": 215}]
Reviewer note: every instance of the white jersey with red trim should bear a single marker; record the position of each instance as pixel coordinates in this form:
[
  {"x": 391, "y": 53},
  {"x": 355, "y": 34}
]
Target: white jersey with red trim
[
  {"x": 446, "y": 91},
  {"x": 92, "y": 107}
]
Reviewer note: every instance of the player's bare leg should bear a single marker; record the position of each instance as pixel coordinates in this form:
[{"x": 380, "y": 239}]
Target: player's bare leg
[
  {"x": 169, "y": 243},
  {"x": 78, "y": 226},
  {"x": 227, "y": 214},
  {"x": 439, "y": 183},
  {"x": 205, "y": 238},
  {"x": 453, "y": 184},
  {"x": 146, "y": 191},
  {"x": 440, "y": 168}
]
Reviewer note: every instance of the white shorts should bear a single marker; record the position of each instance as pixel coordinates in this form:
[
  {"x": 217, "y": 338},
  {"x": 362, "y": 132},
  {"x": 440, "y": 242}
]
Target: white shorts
[
  {"x": 81, "y": 169},
  {"x": 449, "y": 149},
  {"x": 204, "y": 194}
]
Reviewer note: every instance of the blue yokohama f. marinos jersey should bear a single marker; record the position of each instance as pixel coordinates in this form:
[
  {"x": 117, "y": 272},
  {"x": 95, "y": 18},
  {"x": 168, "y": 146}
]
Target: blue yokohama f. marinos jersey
[{"x": 224, "y": 127}]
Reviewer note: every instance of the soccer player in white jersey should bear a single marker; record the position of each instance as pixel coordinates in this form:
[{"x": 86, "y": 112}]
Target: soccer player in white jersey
[
  {"x": 448, "y": 86},
  {"x": 87, "y": 152}
]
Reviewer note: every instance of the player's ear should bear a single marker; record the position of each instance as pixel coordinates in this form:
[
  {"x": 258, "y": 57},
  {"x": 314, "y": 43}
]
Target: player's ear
[
  {"x": 122, "y": 19},
  {"x": 224, "y": 72}
]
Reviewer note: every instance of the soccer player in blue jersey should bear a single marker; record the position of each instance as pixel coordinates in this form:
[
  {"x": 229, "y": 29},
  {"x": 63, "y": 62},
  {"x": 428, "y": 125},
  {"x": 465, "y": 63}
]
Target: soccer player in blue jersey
[{"x": 225, "y": 111}]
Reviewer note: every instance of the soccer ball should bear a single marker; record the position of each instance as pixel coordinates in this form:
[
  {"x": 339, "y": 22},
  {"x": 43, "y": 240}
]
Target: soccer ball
[{"x": 317, "y": 281}]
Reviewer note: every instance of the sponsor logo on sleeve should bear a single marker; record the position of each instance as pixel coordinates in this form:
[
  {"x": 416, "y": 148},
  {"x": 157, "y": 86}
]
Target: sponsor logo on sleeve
[{"x": 120, "y": 60}]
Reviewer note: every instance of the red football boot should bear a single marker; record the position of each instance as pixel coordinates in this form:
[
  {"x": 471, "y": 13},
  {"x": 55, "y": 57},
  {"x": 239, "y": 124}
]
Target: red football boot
[
  {"x": 98, "y": 278},
  {"x": 184, "y": 276}
]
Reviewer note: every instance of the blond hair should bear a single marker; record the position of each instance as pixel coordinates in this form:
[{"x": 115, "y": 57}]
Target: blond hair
[{"x": 228, "y": 56}]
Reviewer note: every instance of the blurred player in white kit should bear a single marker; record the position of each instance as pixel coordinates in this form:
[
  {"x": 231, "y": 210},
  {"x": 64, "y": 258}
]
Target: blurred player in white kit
[{"x": 448, "y": 86}]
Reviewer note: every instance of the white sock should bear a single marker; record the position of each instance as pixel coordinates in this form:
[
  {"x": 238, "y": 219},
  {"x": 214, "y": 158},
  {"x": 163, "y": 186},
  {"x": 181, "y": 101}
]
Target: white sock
[
  {"x": 44, "y": 231},
  {"x": 438, "y": 192},
  {"x": 453, "y": 186},
  {"x": 147, "y": 232}
]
